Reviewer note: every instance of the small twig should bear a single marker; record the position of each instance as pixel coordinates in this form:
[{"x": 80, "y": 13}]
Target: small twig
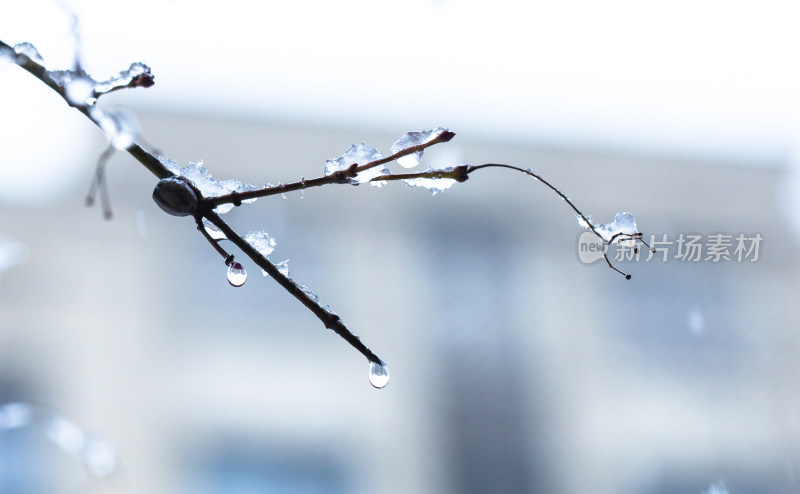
[
  {"x": 214, "y": 242},
  {"x": 328, "y": 318},
  {"x": 100, "y": 184},
  {"x": 458, "y": 173},
  {"x": 339, "y": 177}
]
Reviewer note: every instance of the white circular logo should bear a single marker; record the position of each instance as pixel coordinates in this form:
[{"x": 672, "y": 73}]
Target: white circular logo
[{"x": 590, "y": 248}]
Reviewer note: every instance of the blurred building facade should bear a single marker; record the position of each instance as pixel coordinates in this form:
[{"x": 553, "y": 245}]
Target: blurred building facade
[{"x": 515, "y": 366}]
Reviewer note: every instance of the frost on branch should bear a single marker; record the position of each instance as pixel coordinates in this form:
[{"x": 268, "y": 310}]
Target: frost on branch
[
  {"x": 81, "y": 89},
  {"x": 622, "y": 229},
  {"x": 283, "y": 268},
  {"x": 137, "y": 75},
  {"x": 263, "y": 243},
  {"x": 208, "y": 185},
  {"x": 357, "y": 154},
  {"x": 30, "y": 51},
  {"x": 411, "y": 139}
]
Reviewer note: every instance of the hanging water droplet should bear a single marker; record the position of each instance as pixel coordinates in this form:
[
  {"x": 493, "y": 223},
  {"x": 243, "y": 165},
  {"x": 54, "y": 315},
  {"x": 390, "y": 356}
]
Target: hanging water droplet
[
  {"x": 378, "y": 374},
  {"x": 236, "y": 274}
]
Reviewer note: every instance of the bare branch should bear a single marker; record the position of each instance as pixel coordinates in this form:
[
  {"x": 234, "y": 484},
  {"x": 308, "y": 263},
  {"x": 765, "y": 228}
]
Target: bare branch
[
  {"x": 339, "y": 177},
  {"x": 329, "y": 319}
]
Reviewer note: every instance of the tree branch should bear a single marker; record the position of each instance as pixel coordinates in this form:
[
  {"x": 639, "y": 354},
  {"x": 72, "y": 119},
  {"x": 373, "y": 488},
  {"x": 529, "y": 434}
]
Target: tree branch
[{"x": 339, "y": 177}]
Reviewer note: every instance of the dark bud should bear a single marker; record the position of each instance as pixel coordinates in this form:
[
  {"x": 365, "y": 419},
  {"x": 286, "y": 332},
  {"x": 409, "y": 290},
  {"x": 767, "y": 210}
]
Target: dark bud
[
  {"x": 461, "y": 173},
  {"x": 145, "y": 79},
  {"x": 175, "y": 196},
  {"x": 446, "y": 136},
  {"x": 627, "y": 276}
]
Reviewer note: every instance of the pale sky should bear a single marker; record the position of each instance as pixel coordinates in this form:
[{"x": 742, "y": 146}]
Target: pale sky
[{"x": 684, "y": 78}]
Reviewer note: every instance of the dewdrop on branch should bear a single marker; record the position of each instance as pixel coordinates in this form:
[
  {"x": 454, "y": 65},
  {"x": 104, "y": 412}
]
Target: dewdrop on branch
[
  {"x": 378, "y": 374},
  {"x": 237, "y": 275}
]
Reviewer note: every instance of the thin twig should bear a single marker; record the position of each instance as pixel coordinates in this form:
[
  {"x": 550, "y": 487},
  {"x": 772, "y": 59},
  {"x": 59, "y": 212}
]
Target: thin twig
[
  {"x": 213, "y": 241},
  {"x": 100, "y": 184},
  {"x": 339, "y": 177},
  {"x": 328, "y": 318}
]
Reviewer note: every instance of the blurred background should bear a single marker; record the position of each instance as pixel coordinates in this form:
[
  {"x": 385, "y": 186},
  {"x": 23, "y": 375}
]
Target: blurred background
[{"x": 515, "y": 366}]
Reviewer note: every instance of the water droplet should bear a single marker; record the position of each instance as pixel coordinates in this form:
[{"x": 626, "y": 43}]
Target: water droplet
[
  {"x": 236, "y": 274},
  {"x": 378, "y": 374}
]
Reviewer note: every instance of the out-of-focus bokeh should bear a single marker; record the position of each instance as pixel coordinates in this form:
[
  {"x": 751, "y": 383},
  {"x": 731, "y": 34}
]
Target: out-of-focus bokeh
[{"x": 516, "y": 366}]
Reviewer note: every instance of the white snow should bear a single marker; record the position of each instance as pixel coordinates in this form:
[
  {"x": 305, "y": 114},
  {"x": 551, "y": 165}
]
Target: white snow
[
  {"x": 122, "y": 79},
  {"x": 624, "y": 224},
  {"x": 29, "y": 51},
  {"x": 261, "y": 241},
  {"x": 207, "y": 184}
]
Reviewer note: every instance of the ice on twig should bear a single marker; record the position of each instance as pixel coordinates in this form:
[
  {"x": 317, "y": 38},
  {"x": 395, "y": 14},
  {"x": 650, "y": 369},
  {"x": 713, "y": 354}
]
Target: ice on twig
[
  {"x": 435, "y": 185},
  {"x": 29, "y": 51},
  {"x": 357, "y": 154},
  {"x": 313, "y": 296},
  {"x": 283, "y": 268},
  {"x": 120, "y": 126},
  {"x": 82, "y": 89},
  {"x": 620, "y": 230},
  {"x": 206, "y": 184},
  {"x": 261, "y": 241},
  {"x": 137, "y": 75},
  {"x": 213, "y": 232},
  {"x": 411, "y": 139}
]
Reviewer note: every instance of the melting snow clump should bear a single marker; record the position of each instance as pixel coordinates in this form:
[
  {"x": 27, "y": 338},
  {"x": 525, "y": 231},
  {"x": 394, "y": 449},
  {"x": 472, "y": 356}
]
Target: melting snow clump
[
  {"x": 358, "y": 154},
  {"x": 624, "y": 223},
  {"x": 208, "y": 185},
  {"x": 411, "y": 139},
  {"x": 435, "y": 185},
  {"x": 261, "y": 241}
]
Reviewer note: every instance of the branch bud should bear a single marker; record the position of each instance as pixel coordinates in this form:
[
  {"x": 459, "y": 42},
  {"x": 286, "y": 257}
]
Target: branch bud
[{"x": 176, "y": 196}]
